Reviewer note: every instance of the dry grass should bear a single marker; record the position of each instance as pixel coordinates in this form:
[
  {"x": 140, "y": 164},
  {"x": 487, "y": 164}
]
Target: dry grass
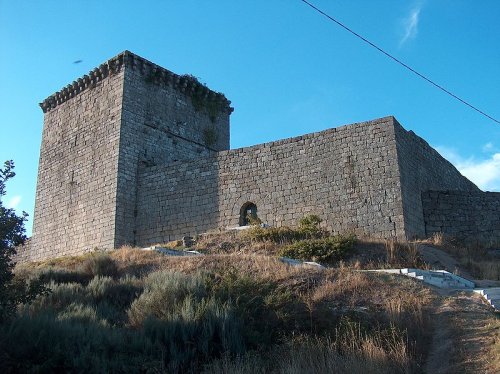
[
  {"x": 466, "y": 338},
  {"x": 373, "y": 322},
  {"x": 350, "y": 352},
  {"x": 493, "y": 329},
  {"x": 402, "y": 254},
  {"x": 437, "y": 239},
  {"x": 474, "y": 258}
]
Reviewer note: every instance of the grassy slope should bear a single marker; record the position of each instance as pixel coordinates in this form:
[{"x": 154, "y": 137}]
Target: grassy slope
[{"x": 273, "y": 318}]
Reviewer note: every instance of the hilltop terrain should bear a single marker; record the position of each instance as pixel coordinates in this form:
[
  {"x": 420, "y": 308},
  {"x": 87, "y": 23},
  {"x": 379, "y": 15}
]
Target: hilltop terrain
[{"x": 239, "y": 309}]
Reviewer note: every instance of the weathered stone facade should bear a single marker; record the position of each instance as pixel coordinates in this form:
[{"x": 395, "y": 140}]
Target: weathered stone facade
[
  {"x": 472, "y": 216},
  {"x": 135, "y": 154},
  {"x": 348, "y": 176},
  {"x": 99, "y": 132}
]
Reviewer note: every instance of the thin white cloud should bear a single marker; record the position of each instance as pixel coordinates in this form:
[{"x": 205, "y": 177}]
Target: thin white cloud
[
  {"x": 410, "y": 25},
  {"x": 13, "y": 202},
  {"x": 488, "y": 147},
  {"x": 484, "y": 173}
]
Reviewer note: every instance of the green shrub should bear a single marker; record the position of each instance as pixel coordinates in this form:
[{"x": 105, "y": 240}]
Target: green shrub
[
  {"x": 198, "y": 331},
  {"x": 72, "y": 345},
  {"x": 81, "y": 313},
  {"x": 163, "y": 292},
  {"x": 325, "y": 250},
  {"x": 100, "y": 264},
  {"x": 190, "y": 326},
  {"x": 120, "y": 293},
  {"x": 309, "y": 227},
  {"x": 265, "y": 309},
  {"x": 59, "y": 275},
  {"x": 99, "y": 287},
  {"x": 274, "y": 234},
  {"x": 111, "y": 298},
  {"x": 106, "y": 297},
  {"x": 60, "y": 296}
]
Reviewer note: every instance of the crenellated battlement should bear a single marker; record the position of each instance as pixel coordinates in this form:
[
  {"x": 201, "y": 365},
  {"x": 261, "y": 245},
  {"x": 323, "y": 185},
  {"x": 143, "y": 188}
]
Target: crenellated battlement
[{"x": 152, "y": 73}]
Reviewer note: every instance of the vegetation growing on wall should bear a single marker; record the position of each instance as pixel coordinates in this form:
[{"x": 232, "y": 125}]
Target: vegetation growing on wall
[
  {"x": 153, "y": 76},
  {"x": 212, "y": 105}
]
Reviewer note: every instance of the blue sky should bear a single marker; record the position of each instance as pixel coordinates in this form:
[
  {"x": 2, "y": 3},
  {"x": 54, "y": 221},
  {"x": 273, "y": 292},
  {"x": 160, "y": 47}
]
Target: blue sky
[{"x": 287, "y": 70}]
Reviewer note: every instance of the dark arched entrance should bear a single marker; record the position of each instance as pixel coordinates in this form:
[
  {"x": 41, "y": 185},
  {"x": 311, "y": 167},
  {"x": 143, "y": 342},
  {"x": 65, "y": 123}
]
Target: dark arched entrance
[{"x": 248, "y": 214}]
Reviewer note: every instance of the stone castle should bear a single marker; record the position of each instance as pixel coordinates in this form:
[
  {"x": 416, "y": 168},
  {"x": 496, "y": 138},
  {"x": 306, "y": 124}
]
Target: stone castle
[{"x": 134, "y": 154}]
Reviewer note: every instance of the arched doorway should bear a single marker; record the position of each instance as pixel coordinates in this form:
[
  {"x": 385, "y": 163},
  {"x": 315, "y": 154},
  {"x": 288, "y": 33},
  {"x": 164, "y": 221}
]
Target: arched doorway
[{"x": 248, "y": 214}]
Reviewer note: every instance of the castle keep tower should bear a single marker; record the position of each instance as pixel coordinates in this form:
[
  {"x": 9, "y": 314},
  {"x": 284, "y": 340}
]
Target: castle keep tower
[{"x": 98, "y": 134}]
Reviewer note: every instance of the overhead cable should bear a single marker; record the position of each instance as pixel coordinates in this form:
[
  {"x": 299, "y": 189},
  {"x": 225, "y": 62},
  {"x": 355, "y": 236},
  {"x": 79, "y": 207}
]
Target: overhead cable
[{"x": 399, "y": 61}]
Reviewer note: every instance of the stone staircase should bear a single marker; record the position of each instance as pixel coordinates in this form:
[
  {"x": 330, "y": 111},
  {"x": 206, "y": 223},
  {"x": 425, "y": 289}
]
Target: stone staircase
[
  {"x": 445, "y": 279},
  {"x": 439, "y": 278},
  {"x": 492, "y": 296}
]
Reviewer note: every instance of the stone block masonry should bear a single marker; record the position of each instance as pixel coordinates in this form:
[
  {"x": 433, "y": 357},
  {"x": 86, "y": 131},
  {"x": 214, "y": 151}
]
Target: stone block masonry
[
  {"x": 472, "y": 216},
  {"x": 135, "y": 154},
  {"x": 422, "y": 168},
  {"x": 76, "y": 192},
  {"x": 98, "y": 132},
  {"x": 348, "y": 176}
]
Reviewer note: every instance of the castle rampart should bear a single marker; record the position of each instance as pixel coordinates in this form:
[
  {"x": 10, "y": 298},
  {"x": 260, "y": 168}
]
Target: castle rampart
[
  {"x": 471, "y": 216},
  {"x": 135, "y": 154},
  {"x": 422, "y": 168}
]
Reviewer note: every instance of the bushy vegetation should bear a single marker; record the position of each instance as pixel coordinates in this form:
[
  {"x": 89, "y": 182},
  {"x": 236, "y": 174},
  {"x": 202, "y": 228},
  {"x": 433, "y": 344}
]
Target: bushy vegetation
[
  {"x": 325, "y": 250},
  {"x": 99, "y": 263},
  {"x": 229, "y": 312},
  {"x": 256, "y": 314},
  {"x": 12, "y": 234},
  {"x": 308, "y": 228}
]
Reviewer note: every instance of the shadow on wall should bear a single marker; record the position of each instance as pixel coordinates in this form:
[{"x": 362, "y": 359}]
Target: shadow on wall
[
  {"x": 176, "y": 200},
  {"x": 471, "y": 216}
]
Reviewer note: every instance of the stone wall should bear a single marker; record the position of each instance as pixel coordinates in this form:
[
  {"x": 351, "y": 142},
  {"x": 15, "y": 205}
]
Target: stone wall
[
  {"x": 161, "y": 125},
  {"x": 347, "y": 175},
  {"x": 98, "y": 132},
  {"x": 135, "y": 154},
  {"x": 422, "y": 168},
  {"x": 470, "y": 216},
  {"x": 76, "y": 190}
]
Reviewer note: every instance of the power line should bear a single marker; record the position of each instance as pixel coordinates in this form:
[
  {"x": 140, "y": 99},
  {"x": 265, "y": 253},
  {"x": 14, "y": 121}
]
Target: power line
[{"x": 399, "y": 61}]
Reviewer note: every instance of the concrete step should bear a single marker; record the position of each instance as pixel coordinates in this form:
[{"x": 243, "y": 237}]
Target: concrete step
[
  {"x": 438, "y": 278},
  {"x": 491, "y": 295},
  {"x": 172, "y": 252}
]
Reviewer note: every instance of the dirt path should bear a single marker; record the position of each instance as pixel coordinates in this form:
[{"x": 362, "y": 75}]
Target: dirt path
[{"x": 465, "y": 330}]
